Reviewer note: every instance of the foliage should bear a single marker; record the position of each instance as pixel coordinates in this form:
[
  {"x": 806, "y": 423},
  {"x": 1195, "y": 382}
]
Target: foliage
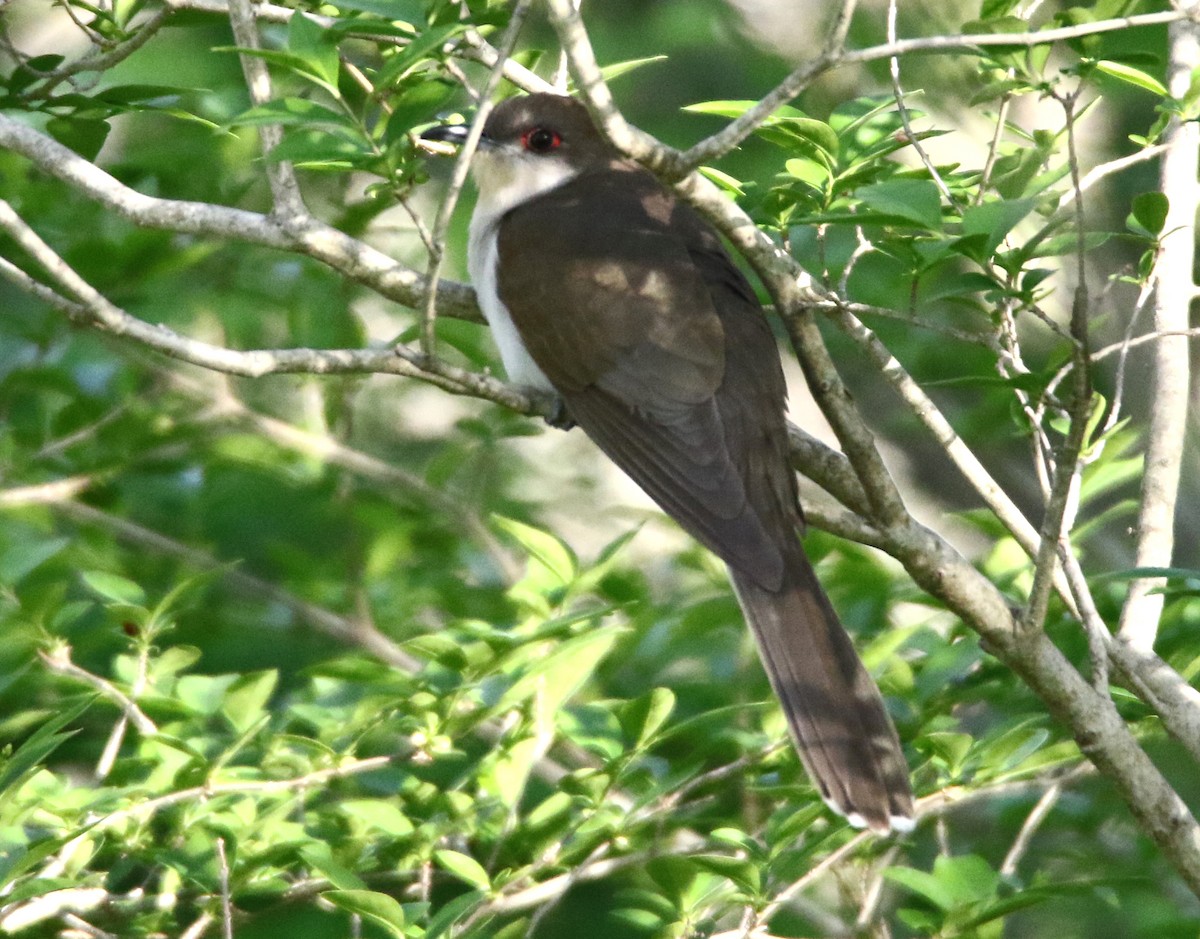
[{"x": 313, "y": 652}]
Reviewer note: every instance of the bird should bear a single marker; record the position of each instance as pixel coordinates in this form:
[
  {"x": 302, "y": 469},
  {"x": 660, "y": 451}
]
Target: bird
[{"x": 603, "y": 287}]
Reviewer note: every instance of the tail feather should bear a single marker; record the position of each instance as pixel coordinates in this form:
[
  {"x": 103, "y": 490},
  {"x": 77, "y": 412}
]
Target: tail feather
[{"x": 834, "y": 710}]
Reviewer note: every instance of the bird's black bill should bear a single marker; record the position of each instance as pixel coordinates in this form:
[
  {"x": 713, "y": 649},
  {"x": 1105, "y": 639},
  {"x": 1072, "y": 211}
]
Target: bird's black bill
[{"x": 447, "y": 133}]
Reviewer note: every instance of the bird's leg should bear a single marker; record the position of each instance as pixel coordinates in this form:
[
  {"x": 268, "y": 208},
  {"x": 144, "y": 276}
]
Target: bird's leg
[{"x": 560, "y": 417}]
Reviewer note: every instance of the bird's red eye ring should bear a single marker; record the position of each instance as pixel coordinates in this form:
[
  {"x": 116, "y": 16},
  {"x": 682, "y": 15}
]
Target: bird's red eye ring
[{"x": 540, "y": 140}]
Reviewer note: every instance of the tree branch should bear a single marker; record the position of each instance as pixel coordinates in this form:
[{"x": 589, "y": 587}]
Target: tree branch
[
  {"x": 354, "y": 259},
  {"x": 280, "y": 174},
  {"x": 1170, "y": 391}
]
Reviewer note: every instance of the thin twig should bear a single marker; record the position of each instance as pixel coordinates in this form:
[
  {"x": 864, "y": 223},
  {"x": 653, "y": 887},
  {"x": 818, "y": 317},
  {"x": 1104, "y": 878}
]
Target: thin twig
[
  {"x": 458, "y": 179},
  {"x": 226, "y": 897},
  {"x": 58, "y": 660},
  {"x": 1039, "y": 813},
  {"x": 281, "y": 176},
  {"x": 902, "y": 109},
  {"x": 99, "y": 58},
  {"x": 734, "y": 133},
  {"x": 1064, "y": 489}
]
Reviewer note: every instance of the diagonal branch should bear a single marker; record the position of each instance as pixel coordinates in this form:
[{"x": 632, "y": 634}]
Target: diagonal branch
[
  {"x": 354, "y": 259},
  {"x": 96, "y": 310}
]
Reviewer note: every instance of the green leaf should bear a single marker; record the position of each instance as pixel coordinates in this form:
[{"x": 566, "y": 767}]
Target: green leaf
[
  {"x": 319, "y": 857},
  {"x": 1132, "y": 76},
  {"x": 378, "y": 908},
  {"x": 414, "y": 106},
  {"x": 994, "y": 220},
  {"x": 84, "y": 135},
  {"x": 380, "y": 814},
  {"x": 138, "y": 94},
  {"x": 289, "y": 112},
  {"x": 1150, "y": 210},
  {"x": 464, "y": 867},
  {"x": 555, "y": 677},
  {"x": 247, "y": 697},
  {"x": 114, "y": 587},
  {"x": 745, "y": 874},
  {"x": 916, "y": 200},
  {"x": 967, "y": 878},
  {"x": 547, "y": 550},
  {"x": 951, "y": 747},
  {"x": 311, "y": 45},
  {"x": 617, "y": 69},
  {"x": 923, "y": 884},
  {"x": 20, "y": 559},
  {"x": 415, "y": 53},
  {"x": 785, "y": 127},
  {"x": 1136, "y": 573},
  {"x": 40, "y": 744},
  {"x": 673, "y": 875},
  {"x": 643, "y": 716},
  {"x": 509, "y": 771},
  {"x": 452, "y": 912},
  {"x": 319, "y": 149},
  {"x": 204, "y": 694},
  {"x": 731, "y": 184},
  {"x": 1012, "y": 748},
  {"x": 410, "y": 11},
  {"x": 28, "y": 72}
]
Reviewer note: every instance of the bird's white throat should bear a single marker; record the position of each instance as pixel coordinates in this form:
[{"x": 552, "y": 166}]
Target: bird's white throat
[{"x": 506, "y": 179}]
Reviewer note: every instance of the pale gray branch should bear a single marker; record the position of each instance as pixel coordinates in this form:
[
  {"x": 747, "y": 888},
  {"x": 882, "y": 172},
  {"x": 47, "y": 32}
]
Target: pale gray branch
[
  {"x": 58, "y": 660},
  {"x": 1170, "y": 390},
  {"x": 281, "y": 176},
  {"x": 458, "y": 179},
  {"x": 354, "y": 259}
]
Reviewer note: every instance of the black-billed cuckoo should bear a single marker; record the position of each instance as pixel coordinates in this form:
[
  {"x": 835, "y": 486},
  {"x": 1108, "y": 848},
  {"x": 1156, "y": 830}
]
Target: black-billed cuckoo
[{"x": 603, "y": 287}]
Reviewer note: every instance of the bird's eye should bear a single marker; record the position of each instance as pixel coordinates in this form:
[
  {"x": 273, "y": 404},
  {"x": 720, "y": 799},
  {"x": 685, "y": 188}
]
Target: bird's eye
[{"x": 540, "y": 140}]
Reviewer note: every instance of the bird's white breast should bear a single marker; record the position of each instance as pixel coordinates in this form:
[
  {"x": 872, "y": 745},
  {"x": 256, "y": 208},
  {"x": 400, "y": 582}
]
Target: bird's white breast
[
  {"x": 506, "y": 180},
  {"x": 483, "y": 256}
]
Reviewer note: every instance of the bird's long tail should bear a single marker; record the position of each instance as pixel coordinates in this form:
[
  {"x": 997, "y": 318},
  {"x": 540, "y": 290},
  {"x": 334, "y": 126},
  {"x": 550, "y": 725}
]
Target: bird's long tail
[{"x": 834, "y": 710}]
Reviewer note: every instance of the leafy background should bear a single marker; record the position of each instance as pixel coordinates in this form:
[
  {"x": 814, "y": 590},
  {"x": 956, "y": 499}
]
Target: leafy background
[{"x": 413, "y": 665}]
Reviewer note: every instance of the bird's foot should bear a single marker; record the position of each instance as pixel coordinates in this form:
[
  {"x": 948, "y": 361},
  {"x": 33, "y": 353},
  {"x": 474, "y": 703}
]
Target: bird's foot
[{"x": 560, "y": 417}]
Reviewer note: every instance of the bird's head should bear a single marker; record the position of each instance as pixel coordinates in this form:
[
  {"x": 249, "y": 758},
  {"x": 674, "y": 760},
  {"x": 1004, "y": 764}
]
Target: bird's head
[{"x": 529, "y": 146}]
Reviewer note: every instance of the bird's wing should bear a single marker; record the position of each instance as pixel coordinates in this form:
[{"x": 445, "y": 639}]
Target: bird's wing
[
  {"x": 639, "y": 342},
  {"x": 662, "y": 355}
]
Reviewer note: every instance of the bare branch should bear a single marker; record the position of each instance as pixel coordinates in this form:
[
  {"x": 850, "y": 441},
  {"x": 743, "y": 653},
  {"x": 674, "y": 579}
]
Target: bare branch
[
  {"x": 97, "y": 311},
  {"x": 354, "y": 259},
  {"x": 1063, "y": 501},
  {"x": 280, "y": 174},
  {"x": 44, "y": 493},
  {"x": 226, "y": 897},
  {"x": 59, "y": 661},
  {"x": 902, "y": 109},
  {"x": 1041, "y": 810},
  {"x": 462, "y": 166},
  {"x": 1171, "y": 382},
  {"x": 100, "y": 58},
  {"x": 581, "y": 59}
]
